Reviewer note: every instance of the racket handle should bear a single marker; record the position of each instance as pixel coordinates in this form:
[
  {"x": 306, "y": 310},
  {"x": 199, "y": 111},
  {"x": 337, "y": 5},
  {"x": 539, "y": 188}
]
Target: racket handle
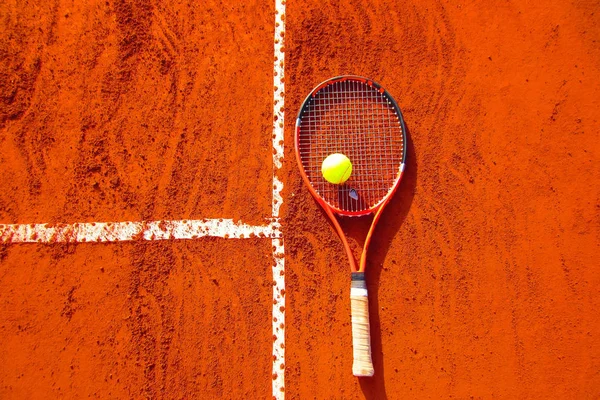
[{"x": 361, "y": 333}]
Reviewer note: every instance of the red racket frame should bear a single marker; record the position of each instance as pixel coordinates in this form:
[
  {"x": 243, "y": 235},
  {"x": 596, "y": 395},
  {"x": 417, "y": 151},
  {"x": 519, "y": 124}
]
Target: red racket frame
[{"x": 330, "y": 210}]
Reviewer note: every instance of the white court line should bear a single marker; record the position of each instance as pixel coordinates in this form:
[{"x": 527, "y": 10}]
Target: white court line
[
  {"x": 140, "y": 230},
  {"x": 278, "y": 368}
]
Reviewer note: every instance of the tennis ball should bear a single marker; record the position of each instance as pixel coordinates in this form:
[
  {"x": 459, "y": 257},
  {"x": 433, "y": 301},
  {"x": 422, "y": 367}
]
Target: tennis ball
[{"x": 336, "y": 168}]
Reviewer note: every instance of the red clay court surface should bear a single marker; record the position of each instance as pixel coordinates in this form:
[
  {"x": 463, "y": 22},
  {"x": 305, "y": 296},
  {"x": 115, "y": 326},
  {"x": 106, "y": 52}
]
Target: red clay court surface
[{"x": 483, "y": 272}]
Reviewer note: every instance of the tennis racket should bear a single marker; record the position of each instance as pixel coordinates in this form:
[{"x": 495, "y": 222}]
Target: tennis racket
[{"x": 354, "y": 116}]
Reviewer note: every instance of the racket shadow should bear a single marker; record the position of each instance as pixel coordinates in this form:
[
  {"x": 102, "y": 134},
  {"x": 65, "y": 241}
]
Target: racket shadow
[{"x": 388, "y": 227}]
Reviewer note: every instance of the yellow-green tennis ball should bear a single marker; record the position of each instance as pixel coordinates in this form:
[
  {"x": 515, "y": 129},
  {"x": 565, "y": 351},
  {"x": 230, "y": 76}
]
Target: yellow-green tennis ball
[{"x": 336, "y": 168}]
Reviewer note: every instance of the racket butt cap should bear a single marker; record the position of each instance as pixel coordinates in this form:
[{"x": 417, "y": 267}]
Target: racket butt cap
[{"x": 359, "y": 372}]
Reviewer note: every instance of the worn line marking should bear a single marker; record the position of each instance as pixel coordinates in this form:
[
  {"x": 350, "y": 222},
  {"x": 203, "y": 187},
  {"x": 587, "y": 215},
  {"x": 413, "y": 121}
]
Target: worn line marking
[
  {"x": 139, "y": 230},
  {"x": 278, "y": 367}
]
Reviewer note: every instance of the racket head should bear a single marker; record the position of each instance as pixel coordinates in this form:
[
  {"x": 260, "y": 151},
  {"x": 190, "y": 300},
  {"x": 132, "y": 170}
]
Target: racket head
[{"x": 357, "y": 117}]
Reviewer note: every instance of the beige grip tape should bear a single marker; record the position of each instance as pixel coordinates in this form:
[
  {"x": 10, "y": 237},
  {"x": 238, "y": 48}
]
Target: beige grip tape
[{"x": 361, "y": 334}]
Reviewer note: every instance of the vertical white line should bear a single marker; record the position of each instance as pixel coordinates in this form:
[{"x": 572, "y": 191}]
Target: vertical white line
[
  {"x": 278, "y": 103},
  {"x": 278, "y": 317},
  {"x": 278, "y": 320}
]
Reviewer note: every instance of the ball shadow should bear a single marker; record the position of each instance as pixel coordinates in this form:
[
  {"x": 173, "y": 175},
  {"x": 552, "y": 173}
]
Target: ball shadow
[{"x": 387, "y": 228}]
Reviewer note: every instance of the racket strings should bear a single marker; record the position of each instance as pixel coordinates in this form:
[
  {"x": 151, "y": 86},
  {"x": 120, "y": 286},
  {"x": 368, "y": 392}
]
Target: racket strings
[{"x": 360, "y": 121}]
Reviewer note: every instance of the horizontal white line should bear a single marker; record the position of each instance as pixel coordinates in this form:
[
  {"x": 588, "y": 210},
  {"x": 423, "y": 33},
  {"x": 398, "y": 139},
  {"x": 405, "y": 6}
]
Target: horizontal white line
[{"x": 139, "y": 230}]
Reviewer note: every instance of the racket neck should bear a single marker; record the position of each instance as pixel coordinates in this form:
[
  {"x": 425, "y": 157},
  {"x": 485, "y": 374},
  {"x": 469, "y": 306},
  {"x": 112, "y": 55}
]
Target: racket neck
[{"x": 363, "y": 257}]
